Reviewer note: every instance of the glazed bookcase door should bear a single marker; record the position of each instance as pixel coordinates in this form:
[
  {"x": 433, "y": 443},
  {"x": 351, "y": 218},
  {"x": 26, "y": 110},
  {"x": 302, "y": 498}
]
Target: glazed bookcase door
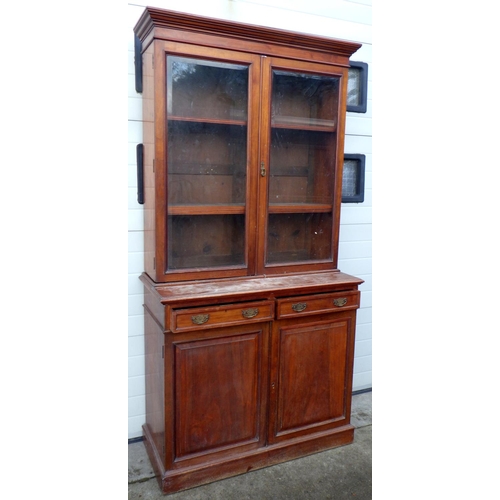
[
  {"x": 302, "y": 127},
  {"x": 209, "y": 200}
]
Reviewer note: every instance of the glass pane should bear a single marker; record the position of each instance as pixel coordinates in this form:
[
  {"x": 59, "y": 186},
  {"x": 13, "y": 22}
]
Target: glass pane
[
  {"x": 207, "y": 104},
  {"x": 301, "y": 99},
  {"x": 299, "y": 237},
  {"x": 301, "y": 167},
  {"x": 206, "y": 89},
  {"x": 200, "y": 241},
  {"x": 206, "y": 163}
]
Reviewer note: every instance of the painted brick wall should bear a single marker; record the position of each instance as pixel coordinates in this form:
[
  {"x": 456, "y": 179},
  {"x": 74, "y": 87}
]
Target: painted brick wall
[{"x": 336, "y": 18}]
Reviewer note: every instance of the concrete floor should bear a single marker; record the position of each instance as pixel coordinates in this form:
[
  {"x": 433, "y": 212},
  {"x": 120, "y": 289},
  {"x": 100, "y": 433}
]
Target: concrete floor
[{"x": 338, "y": 474}]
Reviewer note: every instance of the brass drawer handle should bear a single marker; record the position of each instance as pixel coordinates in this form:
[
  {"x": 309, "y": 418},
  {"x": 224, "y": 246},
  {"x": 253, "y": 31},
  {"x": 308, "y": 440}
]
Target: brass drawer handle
[
  {"x": 250, "y": 313},
  {"x": 300, "y": 306},
  {"x": 199, "y": 319},
  {"x": 340, "y": 302}
]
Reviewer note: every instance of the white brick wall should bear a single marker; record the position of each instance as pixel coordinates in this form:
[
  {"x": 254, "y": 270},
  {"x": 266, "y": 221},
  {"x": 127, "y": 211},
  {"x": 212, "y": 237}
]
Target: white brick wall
[{"x": 336, "y": 18}]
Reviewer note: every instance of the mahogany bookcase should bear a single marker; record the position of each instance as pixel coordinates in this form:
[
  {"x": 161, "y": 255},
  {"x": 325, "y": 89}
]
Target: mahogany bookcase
[{"x": 249, "y": 323}]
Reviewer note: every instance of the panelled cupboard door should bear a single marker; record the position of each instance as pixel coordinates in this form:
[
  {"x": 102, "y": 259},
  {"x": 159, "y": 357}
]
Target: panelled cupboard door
[
  {"x": 302, "y": 124},
  {"x": 310, "y": 375},
  {"x": 206, "y": 186},
  {"x": 219, "y": 391}
]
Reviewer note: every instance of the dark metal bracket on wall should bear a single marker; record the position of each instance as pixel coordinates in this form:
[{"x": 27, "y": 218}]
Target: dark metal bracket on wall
[
  {"x": 140, "y": 173},
  {"x": 138, "y": 64},
  {"x": 140, "y": 147},
  {"x": 353, "y": 178},
  {"x": 359, "y": 71}
]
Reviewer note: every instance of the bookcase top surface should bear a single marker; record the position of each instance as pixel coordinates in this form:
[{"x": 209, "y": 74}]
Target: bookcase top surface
[{"x": 253, "y": 287}]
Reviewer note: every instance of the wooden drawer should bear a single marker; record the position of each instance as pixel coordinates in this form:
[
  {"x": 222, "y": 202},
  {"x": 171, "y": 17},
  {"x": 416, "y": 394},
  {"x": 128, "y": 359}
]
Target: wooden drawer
[
  {"x": 182, "y": 320},
  {"x": 317, "y": 304}
]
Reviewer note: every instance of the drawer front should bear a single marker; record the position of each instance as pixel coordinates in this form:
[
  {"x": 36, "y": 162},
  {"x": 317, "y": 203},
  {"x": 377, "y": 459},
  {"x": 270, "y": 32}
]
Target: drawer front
[
  {"x": 317, "y": 304},
  {"x": 182, "y": 320}
]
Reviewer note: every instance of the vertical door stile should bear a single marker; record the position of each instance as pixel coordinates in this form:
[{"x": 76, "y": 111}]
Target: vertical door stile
[
  {"x": 263, "y": 160},
  {"x": 253, "y": 145},
  {"x": 342, "y": 106}
]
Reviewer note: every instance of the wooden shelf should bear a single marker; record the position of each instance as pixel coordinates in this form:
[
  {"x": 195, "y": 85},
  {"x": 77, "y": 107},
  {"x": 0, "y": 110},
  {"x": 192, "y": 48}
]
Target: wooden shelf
[
  {"x": 213, "y": 121},
  {"x": 206, "y": 209},
  {"x": 294, "y": 208},
  {"x": 299, "y": 123},
  {"x": 203, "y": 169},
  {"x": 208, "y": 262}
]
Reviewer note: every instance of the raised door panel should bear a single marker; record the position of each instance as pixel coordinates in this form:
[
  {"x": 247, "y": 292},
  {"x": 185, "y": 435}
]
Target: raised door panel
[
  {"x": 218, "y": 393},
  {"x": 310, "y": 376}
]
